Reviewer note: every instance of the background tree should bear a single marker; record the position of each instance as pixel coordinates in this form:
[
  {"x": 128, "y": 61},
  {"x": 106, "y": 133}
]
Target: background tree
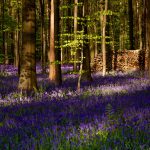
[
  {"x": 148, "y": 32},
  {"x": 75, "y": 32},
  {"x": 86, "y": 74},
  {"x": 54, "y": 53},
  {"x": 27, "y": 78},
  {"x": 103, "y": 32},
  {"x": 131, "y": 27}
]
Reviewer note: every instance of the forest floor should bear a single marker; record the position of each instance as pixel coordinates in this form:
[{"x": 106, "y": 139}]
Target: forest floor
[{"x": 110, "y": 113}]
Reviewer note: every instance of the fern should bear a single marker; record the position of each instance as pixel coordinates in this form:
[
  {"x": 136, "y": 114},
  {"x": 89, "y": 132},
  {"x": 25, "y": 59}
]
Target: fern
[
  {"x": 110, "y": 114},
  {"x": 109, "y": 111}
]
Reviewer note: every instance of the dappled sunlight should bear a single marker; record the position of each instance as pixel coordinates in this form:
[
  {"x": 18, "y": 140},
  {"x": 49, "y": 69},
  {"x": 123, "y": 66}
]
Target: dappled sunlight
[{"x": 108, "y": 111}]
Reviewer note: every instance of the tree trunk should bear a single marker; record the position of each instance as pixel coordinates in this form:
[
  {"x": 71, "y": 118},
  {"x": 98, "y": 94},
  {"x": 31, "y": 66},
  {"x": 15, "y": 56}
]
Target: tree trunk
[
  {"x": 86, "y": 73},
  {"x": 3, "y": 33},
  {"x": 142, "y": 36},
  {"x": 55, "y": 53},
  {"x": 75, "y": 33},
  {"x": 148, "y": 32},
  {"x": 43, "y": 37},
  {"x": 6, "y": 59},
  {"x": 103, "y": 30},
  {"x": 131, "y": 36},
  {"x": 27, "y": 79},
  {"x": 108, "y": 46}
]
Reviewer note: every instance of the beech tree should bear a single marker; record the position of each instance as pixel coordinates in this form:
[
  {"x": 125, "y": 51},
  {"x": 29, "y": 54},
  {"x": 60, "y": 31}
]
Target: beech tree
[
  {"x": 55, "y": 53},
  {"x": 131, "y": 36},
  {"x": 86, "y": 75},
  {"x": 75, "y": 31},
  {"x": 27, "y": 79},
  {"x": 103, "y": 32},
  {"x": 148, "y": 32}
]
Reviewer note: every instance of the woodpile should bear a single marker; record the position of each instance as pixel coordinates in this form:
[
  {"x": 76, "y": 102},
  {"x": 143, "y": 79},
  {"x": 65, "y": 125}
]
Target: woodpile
[{"x": 126, "y": 60}]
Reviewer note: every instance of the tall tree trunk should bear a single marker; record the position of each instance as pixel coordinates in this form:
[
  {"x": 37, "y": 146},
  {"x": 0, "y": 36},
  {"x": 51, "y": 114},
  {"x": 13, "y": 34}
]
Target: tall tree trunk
[
  {"x": 54, "y": 53},
  {"x": 16, "y": 39},
  {"x": 148, "y": 32},
  {"x": 108, "y": 46},
  {"x": 27, "y": 79},
  {"x": 142, "y": 35},
  {"x": 43, "y": 36},
  {"x": 3, "y": 32},
  {"x": 75, "y": 33},
  {"x": 1, "y": 25},
  {"x": 103, "y": 30},
  {"x": 12, "y": 33},
  {"x": 131, "y": 29},
  {"x": 86, "y": 74}
]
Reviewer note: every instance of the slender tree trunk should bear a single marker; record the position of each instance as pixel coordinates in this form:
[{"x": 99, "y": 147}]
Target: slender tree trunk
[
  {"x": 96, "y": 48},
  {"x": 43, "y": 36},
  {"x": 54, "y": 53},
  {"x": 131, "y": 33},
  {"x": 75, "y": 33},
  {"x": 6, "y": 48},
  {"x": 86, "y": 74},
  {"x": 103, "y": 30},
  {"x": 16, "y": 39},
  {"x": 142, "y": 36},
  {"x": 1, "y": 25},
  {"x": 108, "y": 46},
  {"x": 3, "y": 32},
  {"x": 27, "y": 79},
  {"x": 12, "y": 33},
  {"x": 147, "y": 2},
  {"x": 16, "y": 49}
]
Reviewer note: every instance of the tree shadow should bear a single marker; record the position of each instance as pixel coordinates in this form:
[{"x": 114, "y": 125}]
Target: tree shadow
[{"x": 26, "y": 119}]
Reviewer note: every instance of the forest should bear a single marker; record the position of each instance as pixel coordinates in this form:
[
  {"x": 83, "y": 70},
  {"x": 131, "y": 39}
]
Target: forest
[{"x": 74, "y": 74}]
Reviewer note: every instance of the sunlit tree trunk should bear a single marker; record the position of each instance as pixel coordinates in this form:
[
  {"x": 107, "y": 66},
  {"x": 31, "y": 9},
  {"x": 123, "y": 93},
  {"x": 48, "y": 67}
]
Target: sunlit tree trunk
[
  {"x": 103, "y": 30},
  {"x": 27, "y": 79},
  {"x": 16, "y": 48},
  {"x": 75, "y": 33},
  {"x": 55, "y": 53}
]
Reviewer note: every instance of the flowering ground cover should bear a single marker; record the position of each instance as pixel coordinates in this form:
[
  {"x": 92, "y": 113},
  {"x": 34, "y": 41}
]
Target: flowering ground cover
[{"x": 110, "y": 113}]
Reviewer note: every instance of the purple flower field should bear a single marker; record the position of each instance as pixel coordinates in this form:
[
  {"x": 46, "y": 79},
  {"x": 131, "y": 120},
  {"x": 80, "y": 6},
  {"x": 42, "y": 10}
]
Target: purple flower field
[{"x": 110, "y": 113}]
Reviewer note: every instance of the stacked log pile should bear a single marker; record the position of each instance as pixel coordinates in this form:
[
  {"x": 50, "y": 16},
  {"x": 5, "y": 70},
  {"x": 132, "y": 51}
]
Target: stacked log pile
[{"x": 126, "y": 60}]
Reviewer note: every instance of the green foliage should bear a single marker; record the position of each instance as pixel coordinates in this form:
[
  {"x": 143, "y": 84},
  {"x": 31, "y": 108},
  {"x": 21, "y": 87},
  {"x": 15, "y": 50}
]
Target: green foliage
[
  {"x": 9, "y": 23},
  {"x": 109, "y": 111}
]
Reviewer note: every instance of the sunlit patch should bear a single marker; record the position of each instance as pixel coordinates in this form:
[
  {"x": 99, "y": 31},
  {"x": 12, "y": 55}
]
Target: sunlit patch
[{"x": 112, "y": 112}]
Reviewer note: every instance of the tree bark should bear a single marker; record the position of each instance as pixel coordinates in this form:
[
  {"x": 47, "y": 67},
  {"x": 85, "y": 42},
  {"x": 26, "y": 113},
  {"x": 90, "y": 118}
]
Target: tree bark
[
  {"x": 55, "y": 53},
  {"x": 75, "y": 33},
  {"x": 27, "y": 79},
  {"x": 103, "y": 30},
  {"x": 43, "y": 36},
  {"x": 86, "y": 73},
  {"x": 131, "y": 33},
  {"x": 147, "y": 2}
]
